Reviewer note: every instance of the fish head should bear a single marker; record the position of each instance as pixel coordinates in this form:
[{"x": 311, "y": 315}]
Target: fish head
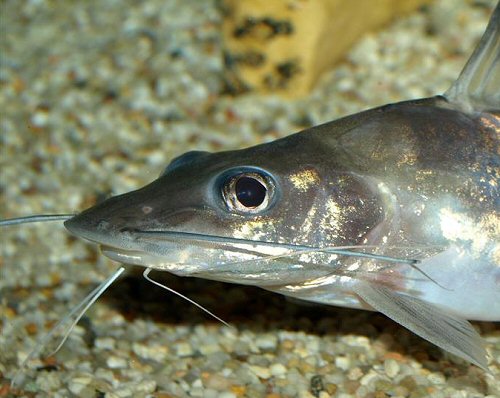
[{"x": 247, "y": 216}]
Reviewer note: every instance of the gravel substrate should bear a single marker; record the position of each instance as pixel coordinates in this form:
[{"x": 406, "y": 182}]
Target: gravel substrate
[{"x": 96, "y": 97}]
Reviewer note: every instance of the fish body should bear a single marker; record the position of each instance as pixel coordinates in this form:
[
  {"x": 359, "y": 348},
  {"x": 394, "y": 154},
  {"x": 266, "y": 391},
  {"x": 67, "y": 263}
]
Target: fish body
[
  {"x": 408, "y": 179},
  {"x": 394, "y": 209}
]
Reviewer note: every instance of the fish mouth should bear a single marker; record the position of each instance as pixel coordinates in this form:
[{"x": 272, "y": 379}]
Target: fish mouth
[
  {"x": 133, "y": 257},
  {"x": 125, "y": 245},
  {"x": 111, "y": 238},
  {"x": 147, "y": 260},
  {"x": 118, "y": 245}
]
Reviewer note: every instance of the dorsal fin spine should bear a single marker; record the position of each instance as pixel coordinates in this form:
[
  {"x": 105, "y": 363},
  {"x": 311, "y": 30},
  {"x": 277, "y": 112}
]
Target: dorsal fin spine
[{"x": 478, "y": 86}]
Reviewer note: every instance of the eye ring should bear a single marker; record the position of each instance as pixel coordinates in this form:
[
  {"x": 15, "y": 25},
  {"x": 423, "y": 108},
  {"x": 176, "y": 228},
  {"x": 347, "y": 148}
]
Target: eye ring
[{"x": 248, "y": 192}]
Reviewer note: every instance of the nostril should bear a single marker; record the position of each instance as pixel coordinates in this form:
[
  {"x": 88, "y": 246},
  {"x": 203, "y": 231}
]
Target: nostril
[
  {"x": 102, "y": 225},
  {"x": 146, "y": 209}
]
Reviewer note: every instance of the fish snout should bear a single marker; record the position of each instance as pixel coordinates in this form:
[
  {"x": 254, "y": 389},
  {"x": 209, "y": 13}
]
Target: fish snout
[
  {"x": 108, "y": 223},
  {"x": 86, "y": 225}
]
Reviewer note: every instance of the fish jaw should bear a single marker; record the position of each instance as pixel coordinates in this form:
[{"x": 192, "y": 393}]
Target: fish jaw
[
  {"x": 250, "y": 262},
  {"x": 111, "y": 225},
  {"x": 119, "y": 241}
]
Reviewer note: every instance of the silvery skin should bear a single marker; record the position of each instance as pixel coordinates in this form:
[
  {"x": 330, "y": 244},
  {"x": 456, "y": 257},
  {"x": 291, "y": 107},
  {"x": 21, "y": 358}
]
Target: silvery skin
[{"x": 395, "y": 209}]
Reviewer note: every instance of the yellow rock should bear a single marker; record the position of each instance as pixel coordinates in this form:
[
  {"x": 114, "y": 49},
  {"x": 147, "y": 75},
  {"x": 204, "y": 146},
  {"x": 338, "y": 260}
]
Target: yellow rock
[{"x": 283, "y": 46}]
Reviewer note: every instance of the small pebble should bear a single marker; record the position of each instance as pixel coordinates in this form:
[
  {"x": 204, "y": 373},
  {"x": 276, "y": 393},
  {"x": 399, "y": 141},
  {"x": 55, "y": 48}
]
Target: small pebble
[
  {"x": 146, "y": 386},
  {"x": 391, "y": 367},
  {"x": 48, "y": 381},
  {"x": 369, "y": 378},
  {"x": 105, "y": 343},
  {"x": 227, "y": 394},
  {"x": 354, "y": 373},
  {"x": 267, "y": 342},
  {"x": 277, "y": 369},
  {"x": 115, "y": 362},
  {"x": 218, "y": 382},
  {"x": 343, "y": 363},
  {"x": 152, "y": 352},
  {"x": 259, "y": 371},
  {"x": 184, "y": 349},
  {"x": 78, "y": 384},
  {"x": 436, "y": 378},
  {"x": 40, "y": 119},
  {"x": 207, "y": 349}
]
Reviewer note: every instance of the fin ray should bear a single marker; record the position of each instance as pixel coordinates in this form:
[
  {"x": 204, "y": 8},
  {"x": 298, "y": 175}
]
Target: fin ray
[
  {"x": 447, "y": 331},
  {"x": 478, "y": 86}
]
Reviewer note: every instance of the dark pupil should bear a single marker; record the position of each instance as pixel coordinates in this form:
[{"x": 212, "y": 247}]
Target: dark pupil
[{"x": 250, "y": 192}]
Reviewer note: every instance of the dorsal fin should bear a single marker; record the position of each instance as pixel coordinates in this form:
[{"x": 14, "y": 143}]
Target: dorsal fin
[{"x": 478, "y": 86}]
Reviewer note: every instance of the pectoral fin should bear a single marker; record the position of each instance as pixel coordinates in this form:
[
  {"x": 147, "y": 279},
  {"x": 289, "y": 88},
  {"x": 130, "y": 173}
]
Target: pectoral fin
[{"x": 447, "y": 331}]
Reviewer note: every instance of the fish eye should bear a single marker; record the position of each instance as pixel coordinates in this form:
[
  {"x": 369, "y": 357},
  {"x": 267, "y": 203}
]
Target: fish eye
[{"x": 249, "y": 192}]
